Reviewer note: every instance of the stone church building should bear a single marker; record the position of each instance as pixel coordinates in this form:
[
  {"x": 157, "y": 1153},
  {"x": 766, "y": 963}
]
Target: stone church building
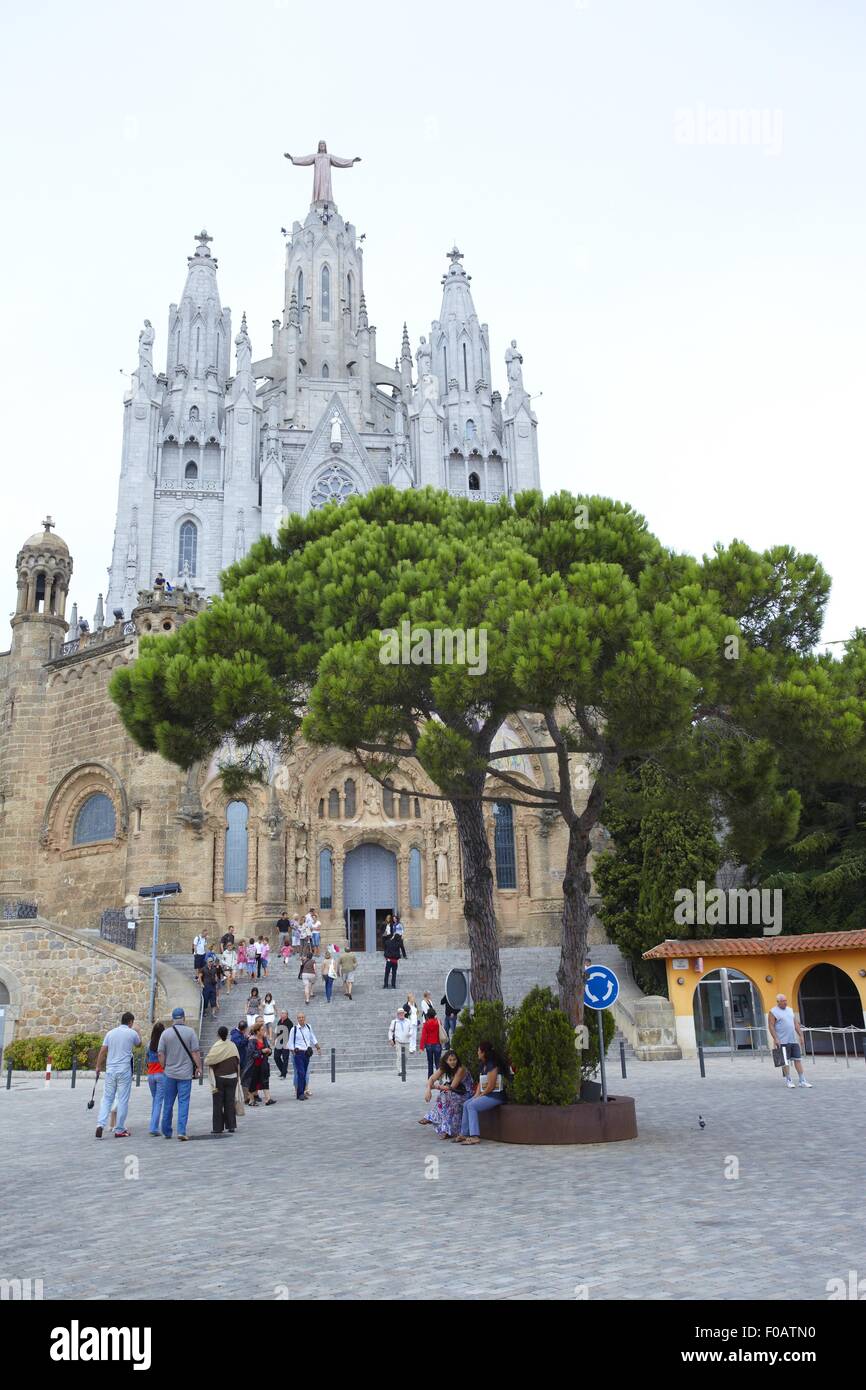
[{"x": 212, "y": 459}]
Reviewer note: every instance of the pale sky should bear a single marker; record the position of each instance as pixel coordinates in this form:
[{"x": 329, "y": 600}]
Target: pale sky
[{"x": 687, "y": 287}]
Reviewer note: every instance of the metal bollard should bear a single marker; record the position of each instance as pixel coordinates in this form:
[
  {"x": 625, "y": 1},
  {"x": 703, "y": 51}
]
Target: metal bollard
[
  {"x": 333, "y": 1064},
  {"x": 138, "y": 1070},
  {"x": 622, "y": 1056},
  {"x": 701, "y": 1059},
  {"x": 9, "y": 1076},
  {"x": 74, "y": 1070},
  {"x": 402, "y": 1062}
]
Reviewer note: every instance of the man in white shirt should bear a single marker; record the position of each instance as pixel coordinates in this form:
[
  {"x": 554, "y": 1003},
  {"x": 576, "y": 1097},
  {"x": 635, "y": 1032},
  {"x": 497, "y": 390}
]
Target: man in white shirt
[
  {"x": 302, "y": 1040},
  {"x": 400, "y": 1033},
  {"x": 312, "y": 920},
  {"x": 229, "y": 962},
  {"x": 785, "y": 1029},
  {"x": 199, "y": 951},
  {"x": 115, "y": 1059}
]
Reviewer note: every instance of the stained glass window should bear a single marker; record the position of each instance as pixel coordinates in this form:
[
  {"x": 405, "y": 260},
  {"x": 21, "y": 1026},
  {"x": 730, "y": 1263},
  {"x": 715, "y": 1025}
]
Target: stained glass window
[
  {"x": 503, "y": 843},
  {"x": 95, "y": 821}
]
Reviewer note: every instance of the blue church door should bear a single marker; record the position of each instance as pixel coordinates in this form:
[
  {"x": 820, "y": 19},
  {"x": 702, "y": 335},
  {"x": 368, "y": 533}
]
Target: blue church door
[{"x": 369, "y": 894}]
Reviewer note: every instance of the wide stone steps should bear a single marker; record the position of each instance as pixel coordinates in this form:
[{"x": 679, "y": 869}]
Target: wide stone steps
[{"x": 359, "y": 1030}]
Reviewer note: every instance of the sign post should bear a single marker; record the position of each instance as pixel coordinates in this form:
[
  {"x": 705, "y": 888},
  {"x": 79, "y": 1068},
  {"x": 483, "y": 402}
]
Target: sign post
[
  {"x": 600, "y": 991},
  {"x": 156, "y": 891}
]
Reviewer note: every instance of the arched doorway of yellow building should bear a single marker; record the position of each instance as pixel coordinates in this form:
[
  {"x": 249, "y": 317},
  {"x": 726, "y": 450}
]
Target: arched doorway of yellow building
[
  {"x": 728, "y": 1011},
  {"x": 828, "y": 998}
]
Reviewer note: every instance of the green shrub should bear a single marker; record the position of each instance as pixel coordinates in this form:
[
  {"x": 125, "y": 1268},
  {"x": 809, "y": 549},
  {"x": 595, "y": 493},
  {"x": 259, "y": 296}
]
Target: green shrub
[
  {"x": 542, "y": 1052},
  {"x": 589, "y": 1061},
  {"x": 29, "y": 1054},
  {"x": 488, "y": 1022}
]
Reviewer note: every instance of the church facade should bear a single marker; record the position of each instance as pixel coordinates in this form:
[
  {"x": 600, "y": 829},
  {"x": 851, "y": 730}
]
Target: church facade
[{"x": 210, "y": 461}]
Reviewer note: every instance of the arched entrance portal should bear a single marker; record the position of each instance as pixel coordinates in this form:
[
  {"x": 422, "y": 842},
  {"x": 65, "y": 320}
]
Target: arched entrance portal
[
  {"x": 369, "y": 893},
  {"x": 728, "y": 1012},
  {"x": 828, "y": 998}
]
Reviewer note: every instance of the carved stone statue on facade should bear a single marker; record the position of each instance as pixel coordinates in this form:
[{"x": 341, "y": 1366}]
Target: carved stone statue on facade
[
  {"x": 514, "y": 365},
  {"x": 424, "y": 357},
  {"x": 145, "y": 347},
  {"x": 336, "y": 433},
  {"x": 371, "y": 798},
  {"x": 442, "y": 866}
]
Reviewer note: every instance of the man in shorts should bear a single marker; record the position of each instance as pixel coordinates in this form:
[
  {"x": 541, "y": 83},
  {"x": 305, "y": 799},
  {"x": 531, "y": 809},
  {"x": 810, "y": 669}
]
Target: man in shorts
[
  {"x": 312, "y": 920},
  {"x": 787, "y": 1032},
  {"x": 348, "y": 966},
  {"x": 199, "y": 951}
]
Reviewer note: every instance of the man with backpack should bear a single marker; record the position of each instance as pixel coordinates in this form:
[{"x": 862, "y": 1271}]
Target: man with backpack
[{"x": 180, "y": 1058}]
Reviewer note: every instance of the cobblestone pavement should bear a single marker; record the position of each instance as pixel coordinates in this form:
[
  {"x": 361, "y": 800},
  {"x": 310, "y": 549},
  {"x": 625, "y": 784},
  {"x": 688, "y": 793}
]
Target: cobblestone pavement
[{"x": 654, "y": 1218}]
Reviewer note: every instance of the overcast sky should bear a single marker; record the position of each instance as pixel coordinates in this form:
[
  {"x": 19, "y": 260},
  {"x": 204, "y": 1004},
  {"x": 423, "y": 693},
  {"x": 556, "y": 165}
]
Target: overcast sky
[{"x": 687, "y": 287}]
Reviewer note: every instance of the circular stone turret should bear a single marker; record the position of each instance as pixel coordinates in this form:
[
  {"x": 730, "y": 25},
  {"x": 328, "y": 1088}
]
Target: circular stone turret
[{"x": 44, "y": 568}]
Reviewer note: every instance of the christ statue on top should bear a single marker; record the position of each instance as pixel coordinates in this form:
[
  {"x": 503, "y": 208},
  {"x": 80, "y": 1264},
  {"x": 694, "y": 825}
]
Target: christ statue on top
[{"x": 322, "y": 177}]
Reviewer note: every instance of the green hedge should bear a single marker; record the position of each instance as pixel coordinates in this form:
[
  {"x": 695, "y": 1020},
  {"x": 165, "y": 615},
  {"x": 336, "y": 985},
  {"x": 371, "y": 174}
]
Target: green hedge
[{"x": 31, "y": 1054}]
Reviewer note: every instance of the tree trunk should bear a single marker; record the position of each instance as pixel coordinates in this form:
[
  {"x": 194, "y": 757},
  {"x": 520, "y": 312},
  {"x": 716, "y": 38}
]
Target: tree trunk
[
  {"x": 478, "y": 909},
  {"x": 575, "y": 925}
]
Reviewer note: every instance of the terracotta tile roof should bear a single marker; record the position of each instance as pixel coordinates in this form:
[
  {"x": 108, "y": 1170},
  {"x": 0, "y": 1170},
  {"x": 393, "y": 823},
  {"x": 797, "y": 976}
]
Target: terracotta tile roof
[{"x": 757, "y": 945}]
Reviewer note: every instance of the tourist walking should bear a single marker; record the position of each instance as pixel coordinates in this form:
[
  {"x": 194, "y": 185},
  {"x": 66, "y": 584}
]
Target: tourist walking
[
  {"x": 258, "y": 1072},
  {"x": 488, "y": 1093},
  {"x": 451, "y": 1016},
  {"x": 114, "y": 1059},
  {"x": 281, "y": 1044},
  {"x": 284, "y": 927},
  {"x": 307, "y": 975},
  {"x": 329, "y": 971},
  {"x": 254, "y": 1007},
  {"x": 223, "y": 1063},
  {"x": 315, "y": 929},
  {"x": 155, "y": 1077},
  {"x": 397, "y": 930},
  {"x": 399, "y": 1032},
  {"x": 348, "y": 966},
  {"x": 426, "y": 1007},
  {"x": 251, "y": 957},
  {"x": 242, "y": 959},
  {"x": 227, "y": 939},
  {"x": 209, "y": 985},
  {"x": 410, "y": 1009},
  {"x": 286, "y": 951},
  {"x": 430, "y": 1042},
  {"x": 229, "y": 963},
  {"x": 265, "y": 955},
  {"x": 296, "y": 934},
  {"x": 199, "y": 951},
  {"x": 269, "y": 1014},
  {"x": 453, "y": 1083},
  {"x": 392, "y": 960},
  {"x": 302, "y": 1041},
  {"x": 239, "y": 1037},
  {"x": 180, "y": 1055},
  {"x": 785, "y": 1030}
]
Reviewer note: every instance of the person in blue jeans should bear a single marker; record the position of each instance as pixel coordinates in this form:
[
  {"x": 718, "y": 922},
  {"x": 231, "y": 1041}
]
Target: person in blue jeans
[
  {"x": 301, "y": 1040},
  {"x": 488, "y": 1093},
  {"x": 115, "y": 1059},
  {"x": 180, "y": 1056},
  {"x": 155, "y": 1077}
]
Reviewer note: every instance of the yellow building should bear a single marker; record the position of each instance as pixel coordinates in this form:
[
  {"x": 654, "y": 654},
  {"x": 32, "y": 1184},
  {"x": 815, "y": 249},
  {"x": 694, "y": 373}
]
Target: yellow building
[{"x": 722, "y": 990}]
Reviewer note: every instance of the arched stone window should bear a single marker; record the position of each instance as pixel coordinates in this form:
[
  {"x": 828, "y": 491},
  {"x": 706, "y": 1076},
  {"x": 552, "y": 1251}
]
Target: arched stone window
[
  {"x": 187, "y": 551},
  {"x": 415, "y": 899},
  {"x": 300, "y": 289},
  {"x": 465, "y": 369},
  {"x": 388, "y": 800},
  {"x": 235, "y": 870},
  {"x": 193, "y": 410},
  {"x": 95, "y": 821},
  {"x": 325, "y": 295},
  {"x": 333, "y": 485},
  {"x": 417, "y": 809},
  {"x": 326, "y": 371},
  {"x": 471, "y": 431},
  {"x": 404, "y": 805},
  {"x": 321, "y": 808},
  {"x": 503, "y": 844},
  {"x": 349, "y": 296},
  {"x": 333, "y": 804},
  {"x": 349, "y": 793},
  {"x": 474, "y": 482},
  {"x": 191, "y": 470},
  {"x": 326, "y": 879}
]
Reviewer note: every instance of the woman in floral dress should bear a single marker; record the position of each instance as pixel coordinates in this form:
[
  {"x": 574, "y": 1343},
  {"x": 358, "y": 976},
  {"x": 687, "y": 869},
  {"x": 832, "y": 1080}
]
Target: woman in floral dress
[{"x": 454, "y": 1085}]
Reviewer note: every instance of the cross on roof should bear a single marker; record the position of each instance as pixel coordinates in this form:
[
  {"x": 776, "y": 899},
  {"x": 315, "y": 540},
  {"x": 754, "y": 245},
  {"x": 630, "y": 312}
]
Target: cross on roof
[
  {"x": 203, "y": 239},
  {"x": 48, "y": 523},
  {"x": 454, "y": 254}
]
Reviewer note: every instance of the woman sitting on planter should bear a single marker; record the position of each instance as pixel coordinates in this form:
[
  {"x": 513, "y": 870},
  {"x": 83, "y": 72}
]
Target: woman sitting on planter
[
  {"x": 454, "y": 1084},
  {"x": 488, "y": 1093}
]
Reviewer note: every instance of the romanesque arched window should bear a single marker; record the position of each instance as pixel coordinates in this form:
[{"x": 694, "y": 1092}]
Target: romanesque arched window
[
  {"x": 325, "y": 295},
  {"x": 193, "y": 410},
  {"x": 334, "y": 804},
  {"x": 474, "y": 482},
  {"x": 235, "y": 869},
  {"x": 471, "y": 431},
  {"x": 191, "y": 470},
  {"x": 95, "y": 821},
  {"x": 503, "y": 844},
  {"x": 326, "y": 879},
  {"x": 349, "y": 793},
  {"x": 417, "y": 809},
  {"x": 415, "y": 899},
  {"x": 388, "y": 800},
  {"x": 404, "y": 805},
  {"x": 321, "y": 808},
  {"x": 187, "y": 551}
]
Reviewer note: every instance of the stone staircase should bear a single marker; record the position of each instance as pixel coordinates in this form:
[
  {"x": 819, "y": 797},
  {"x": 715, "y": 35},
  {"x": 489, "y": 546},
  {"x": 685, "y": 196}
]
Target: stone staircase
[{"x": 358, "y": 1031}]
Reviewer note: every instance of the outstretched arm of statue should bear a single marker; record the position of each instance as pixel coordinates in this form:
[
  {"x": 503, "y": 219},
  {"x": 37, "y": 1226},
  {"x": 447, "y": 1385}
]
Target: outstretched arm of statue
[
  {"x": 301, "y": 158},
  {"x": 344, "y": 163}
]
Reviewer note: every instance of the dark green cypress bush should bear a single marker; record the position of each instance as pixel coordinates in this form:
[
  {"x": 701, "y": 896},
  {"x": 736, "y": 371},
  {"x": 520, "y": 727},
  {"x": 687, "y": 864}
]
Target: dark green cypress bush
[{"x": 542, "y": 1052}]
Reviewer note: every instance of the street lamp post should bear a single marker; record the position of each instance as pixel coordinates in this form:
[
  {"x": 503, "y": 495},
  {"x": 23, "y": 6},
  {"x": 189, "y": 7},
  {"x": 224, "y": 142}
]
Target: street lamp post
[{"x": 156, "y": 891}]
